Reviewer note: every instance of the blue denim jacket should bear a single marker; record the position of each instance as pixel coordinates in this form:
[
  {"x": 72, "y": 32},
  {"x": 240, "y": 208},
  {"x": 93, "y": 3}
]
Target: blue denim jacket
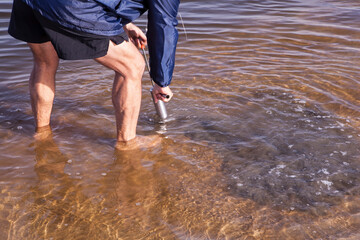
[{"x": 107, "y": 17}]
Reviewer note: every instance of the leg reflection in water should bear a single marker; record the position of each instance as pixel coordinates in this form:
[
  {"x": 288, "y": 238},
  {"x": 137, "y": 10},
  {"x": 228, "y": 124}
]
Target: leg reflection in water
[
  {"x": 47, "y": 207},
  {"x": 134, "y": 190},
  {"x": 50, "y": 162},
  {"x": 55, "y": 206}
]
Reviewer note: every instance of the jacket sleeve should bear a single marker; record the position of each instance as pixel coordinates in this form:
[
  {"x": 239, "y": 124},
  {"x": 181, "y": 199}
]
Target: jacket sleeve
[
  {"x": 162, "y": 39},
  {"x": 126, "y": 10}
]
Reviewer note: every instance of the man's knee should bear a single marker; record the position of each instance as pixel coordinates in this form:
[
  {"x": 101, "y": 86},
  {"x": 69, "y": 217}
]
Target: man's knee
[
  {"x": 135, "y": 67},
  {"x": 140, "y": 66},
  {"x": 46, "y": 62},
  {"x": 125, "y": 59},
  {"x": 47, "y": 66},
  {"x": 45, "y": 56}
]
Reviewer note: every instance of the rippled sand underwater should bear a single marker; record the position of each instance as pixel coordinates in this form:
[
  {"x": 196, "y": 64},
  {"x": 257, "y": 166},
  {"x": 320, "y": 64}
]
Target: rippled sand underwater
[{"x": 262, "y": 142}]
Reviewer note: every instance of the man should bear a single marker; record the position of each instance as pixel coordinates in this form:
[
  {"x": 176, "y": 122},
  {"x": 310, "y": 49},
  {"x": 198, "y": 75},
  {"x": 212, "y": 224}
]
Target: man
[{"x": 94, "y": 29}]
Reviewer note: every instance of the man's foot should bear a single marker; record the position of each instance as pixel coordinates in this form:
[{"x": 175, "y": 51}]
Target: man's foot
[
  {"x": 42, "y": 133},
  {"x": 139, "y": 142}
]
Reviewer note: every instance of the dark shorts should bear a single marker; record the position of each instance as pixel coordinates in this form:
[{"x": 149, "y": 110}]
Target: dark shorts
[{"x": 29, "y": 26}]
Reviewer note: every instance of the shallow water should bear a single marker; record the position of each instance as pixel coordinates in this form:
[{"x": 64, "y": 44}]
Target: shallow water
[{"x": 263, "y": 141}]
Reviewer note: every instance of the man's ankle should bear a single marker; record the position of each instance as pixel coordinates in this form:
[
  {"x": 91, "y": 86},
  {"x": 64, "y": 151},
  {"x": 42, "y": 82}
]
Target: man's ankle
[{"x": 42, "y": 129}]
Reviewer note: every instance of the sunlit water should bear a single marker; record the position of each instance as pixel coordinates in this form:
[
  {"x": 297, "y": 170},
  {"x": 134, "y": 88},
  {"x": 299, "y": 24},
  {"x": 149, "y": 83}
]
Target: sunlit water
[{"x": 262, "y": 142}]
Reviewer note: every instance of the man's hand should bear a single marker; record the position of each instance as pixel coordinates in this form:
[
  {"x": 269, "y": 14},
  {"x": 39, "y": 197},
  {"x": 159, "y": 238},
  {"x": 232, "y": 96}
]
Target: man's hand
[
  {"x": 162, "y": 93},
  {"x": 135, "y": 35}
]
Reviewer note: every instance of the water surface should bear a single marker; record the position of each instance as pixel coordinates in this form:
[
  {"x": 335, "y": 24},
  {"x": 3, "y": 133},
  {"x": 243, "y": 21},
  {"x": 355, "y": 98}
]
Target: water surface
[{"x": 263, "y": 141}]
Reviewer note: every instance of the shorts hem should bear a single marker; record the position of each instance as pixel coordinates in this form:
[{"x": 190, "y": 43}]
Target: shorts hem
[{"x": 23, "y": 39}]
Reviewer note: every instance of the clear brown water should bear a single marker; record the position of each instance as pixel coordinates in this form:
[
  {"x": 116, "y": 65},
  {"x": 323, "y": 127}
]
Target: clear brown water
[{"x": 263, "y": 141}]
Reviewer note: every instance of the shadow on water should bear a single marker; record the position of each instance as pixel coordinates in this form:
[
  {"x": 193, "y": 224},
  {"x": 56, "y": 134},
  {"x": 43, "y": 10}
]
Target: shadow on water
[
  {"x": 264, "y": 158},
  {"x": 304, "y": 170}
]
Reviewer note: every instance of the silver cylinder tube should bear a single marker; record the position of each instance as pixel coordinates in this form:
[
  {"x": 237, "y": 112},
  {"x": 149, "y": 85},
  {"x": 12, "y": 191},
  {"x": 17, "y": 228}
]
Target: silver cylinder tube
[{"x": 160, "y": 107}]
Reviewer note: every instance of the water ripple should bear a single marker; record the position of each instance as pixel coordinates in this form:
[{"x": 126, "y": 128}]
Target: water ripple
[{"x": 262, "y": 142}]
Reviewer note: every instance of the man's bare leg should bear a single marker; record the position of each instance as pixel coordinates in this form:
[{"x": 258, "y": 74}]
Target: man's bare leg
[
  {"x": 42, "y": 82},
  {"x": 128, "y": 64}
]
